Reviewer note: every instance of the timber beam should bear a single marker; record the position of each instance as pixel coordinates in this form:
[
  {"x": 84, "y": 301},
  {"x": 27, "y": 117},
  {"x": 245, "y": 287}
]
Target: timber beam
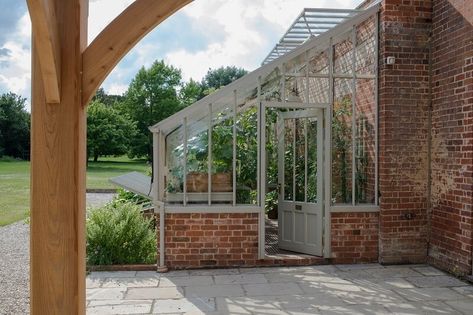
[
  {"x": 121, "y": 35},
  {"x": 46, "y": 42}
]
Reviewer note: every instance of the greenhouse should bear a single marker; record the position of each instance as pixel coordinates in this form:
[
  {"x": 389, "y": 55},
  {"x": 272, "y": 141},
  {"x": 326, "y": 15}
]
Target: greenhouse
[{"x": 297, "y": 136}]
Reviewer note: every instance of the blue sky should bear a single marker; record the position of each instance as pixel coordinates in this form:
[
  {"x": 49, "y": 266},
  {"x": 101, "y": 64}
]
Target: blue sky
[{"x": 205, "y": 34}]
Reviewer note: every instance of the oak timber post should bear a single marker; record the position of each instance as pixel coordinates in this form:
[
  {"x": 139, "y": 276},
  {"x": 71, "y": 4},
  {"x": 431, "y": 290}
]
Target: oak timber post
[{"x": 58, "y": 158}]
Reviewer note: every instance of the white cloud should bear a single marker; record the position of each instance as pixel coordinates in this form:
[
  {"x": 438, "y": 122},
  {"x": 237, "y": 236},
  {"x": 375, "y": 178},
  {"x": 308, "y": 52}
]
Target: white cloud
[
  {"x": 15, "y": 75},
  {"x": 244, "y": 45},
  {"x": 244, "y": 32},
  {"x": 117, "y": 89},
  {"x": 102, "y": 12}
]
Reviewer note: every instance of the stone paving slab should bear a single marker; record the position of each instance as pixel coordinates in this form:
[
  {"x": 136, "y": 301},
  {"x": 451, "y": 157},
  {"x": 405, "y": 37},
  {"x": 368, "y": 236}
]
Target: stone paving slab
[
  {"x": 136, "y": 282},
  {"x": 272, "y": 289},
  {"x": 154, "y": 293},
  {"x": 186, "y": 305},
  {"x": 119, "y": 307},
  {"x": 421, "y": 308},
  {"x": 429, "y": 294},
  {"x": 240, "y": 279},
  {"x": 435, "y": 281},
  {"x": 347, "y": 289},
  {"x": 220, "y": 290}
]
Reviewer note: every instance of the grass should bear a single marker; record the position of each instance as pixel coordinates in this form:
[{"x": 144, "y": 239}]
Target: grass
[
  {"x": 14, "y": 190},
  {"x": 15, "y": 182},
  {"x": 99, "y": 172}
]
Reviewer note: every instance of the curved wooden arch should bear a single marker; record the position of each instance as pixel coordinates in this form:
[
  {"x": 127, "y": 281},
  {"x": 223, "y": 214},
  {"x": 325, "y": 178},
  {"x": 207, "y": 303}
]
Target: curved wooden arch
[{"x": 122, "y": 34}]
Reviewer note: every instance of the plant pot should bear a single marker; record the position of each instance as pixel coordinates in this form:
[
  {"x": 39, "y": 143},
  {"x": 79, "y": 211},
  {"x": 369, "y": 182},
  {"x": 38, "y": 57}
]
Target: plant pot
[
  {"x": 273, "y": 213},
  {"x": 197, "y": 182},
  {"x": 222, "y": 182}
]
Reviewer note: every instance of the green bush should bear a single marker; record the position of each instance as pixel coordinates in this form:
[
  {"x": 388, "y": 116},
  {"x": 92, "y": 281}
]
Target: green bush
[
  {"x": 118, "y": 234},
  {"x": 128, "y": 196}
]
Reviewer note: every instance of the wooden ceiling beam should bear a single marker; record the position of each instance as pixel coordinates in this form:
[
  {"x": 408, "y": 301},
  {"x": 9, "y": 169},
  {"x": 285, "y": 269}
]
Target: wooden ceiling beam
[
  {"x": 46, "y": 42},
  {"x": 121, "y": 35}
]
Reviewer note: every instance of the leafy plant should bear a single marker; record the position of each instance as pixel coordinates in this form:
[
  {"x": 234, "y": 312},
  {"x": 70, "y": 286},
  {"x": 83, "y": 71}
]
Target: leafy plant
[
  {"x": 124, "y": 195},
  {"x": 118, "y": 234}
]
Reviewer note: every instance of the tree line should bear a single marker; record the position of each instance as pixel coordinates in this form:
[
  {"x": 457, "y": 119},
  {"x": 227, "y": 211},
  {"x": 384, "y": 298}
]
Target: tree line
[{"x": 118, "y": 124}]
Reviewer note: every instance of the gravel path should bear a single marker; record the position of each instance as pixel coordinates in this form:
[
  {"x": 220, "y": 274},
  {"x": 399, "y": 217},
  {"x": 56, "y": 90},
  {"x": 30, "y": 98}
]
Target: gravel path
[
  {"x": 14, "y": 268},
  {"x": 14, "y": 262}
]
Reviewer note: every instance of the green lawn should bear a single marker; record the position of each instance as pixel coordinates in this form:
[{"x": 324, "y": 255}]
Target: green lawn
[
  {"x": 99, "y": 172},
  {"x": 14, "y": 191},
  {"x": 15, "y": 178}
]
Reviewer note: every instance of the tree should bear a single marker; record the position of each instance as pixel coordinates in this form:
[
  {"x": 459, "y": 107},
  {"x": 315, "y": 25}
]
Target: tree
[
  {"x": 217, "y": 78},
  {"x": 190, "y": 93},
  {"x": 108, "y": 131},
  {"x": 152, "y": 96},
  {"x": 107, "y": 99},
  {"x": 14, "y": 126}
]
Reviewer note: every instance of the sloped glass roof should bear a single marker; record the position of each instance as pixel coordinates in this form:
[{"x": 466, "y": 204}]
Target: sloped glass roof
[
  {"x": 266, "y": 80},
  {"x": 310, "y": 23}
]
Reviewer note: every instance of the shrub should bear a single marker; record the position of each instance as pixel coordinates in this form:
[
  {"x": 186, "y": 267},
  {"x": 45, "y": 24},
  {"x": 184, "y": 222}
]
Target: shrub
[
  {"x": 128, "y": 196},
  {"x": 118, "y": 234}
]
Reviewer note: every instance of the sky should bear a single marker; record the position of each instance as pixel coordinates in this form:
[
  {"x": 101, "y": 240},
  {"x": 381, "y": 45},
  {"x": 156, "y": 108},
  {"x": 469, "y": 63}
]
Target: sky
[{"x": 205, "y": 34}]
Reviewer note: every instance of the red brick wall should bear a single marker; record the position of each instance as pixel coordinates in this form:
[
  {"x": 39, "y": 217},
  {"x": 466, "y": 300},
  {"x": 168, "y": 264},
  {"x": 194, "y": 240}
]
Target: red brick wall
[
  {"x": 355, "y": 237},
  {"x": 404, "y": 100},
  {"x": 452, "y": 137},
  {"x": 210, "y": 240}
]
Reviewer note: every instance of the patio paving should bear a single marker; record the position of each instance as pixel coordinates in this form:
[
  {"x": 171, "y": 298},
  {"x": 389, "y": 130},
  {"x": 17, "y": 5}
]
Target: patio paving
[{"x": 331, "y": 289}]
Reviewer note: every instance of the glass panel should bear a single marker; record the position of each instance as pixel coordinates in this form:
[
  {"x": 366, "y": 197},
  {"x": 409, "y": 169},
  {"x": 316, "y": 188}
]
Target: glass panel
[
  {"x": 366, "y": 47},
  {"x": 271, "y": 86},
  {"x": 312, "y": 160},
  {"x": 222, "y": 156},
  {"x": 365, "y": 142},
  {"x": 197, "y": 161},
  {"x": 343, "y": 57},
  {"x": 271, "y": 201},
  {"x": 247, "y": 153},
  {"x": 300, "y": 159},
  {"x": 342, "y": 142},
  {"x": 319, "y": 63},
  {"x": 318, "y": 90},
  {"x": 288, "y": 159},
  {"x": 174, "y": 179},
  {"x": 295, "y": 89},
  {"x": 296, "y": 66}
]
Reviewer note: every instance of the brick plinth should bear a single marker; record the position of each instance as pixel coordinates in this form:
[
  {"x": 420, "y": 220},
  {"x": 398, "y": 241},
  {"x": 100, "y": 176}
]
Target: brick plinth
[
  {"x": 452, "y": 136},
  {"x": 404, "y": 101},
  {"x": 202, "y": 240},
  {"x": 355, "y": 237}
]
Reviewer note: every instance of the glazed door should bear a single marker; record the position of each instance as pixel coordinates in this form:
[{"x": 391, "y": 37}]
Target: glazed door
[{"x": 300, "y": 156}]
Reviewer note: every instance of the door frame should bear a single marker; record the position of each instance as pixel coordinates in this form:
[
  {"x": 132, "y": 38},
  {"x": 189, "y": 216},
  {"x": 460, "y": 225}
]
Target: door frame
[
  {"x": 327, "y": 169},
  {"x": 305, "y": 205}
]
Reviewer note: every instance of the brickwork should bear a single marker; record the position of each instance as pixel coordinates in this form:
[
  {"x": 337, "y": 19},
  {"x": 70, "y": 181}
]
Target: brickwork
[
  {"x": 404, "y": 101},
  {"x": 452, "y": 136},
  {"x": 355, "y": 237},
  {"x": 210, "y": 240}
]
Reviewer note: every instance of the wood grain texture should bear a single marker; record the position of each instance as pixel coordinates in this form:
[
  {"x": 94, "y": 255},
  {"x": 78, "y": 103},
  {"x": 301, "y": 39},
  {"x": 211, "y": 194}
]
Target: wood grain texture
[
  {"x": 58, "y": 136},
  {"x": 58, "y": 149},
  {"x": 46, "y": 41},
  {"x": 114, "y": 42}
]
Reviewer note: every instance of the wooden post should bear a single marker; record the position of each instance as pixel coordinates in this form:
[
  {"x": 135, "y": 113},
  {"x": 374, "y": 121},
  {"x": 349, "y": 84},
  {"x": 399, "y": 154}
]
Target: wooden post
[
  {"x": 65, "y": 75},
  {"x": 58, "y": 173}
]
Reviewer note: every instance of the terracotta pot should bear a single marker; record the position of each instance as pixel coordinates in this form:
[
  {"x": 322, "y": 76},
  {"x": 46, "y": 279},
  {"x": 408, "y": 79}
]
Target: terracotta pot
[
  {"x": 197, "y": 182},
  {"x": 222, "y": 182}
]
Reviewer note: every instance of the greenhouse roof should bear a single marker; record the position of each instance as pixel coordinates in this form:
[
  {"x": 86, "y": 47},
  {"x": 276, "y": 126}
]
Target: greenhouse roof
[
  {"x": 224, "y": 98},
  {"x": 310, "y": 23}
]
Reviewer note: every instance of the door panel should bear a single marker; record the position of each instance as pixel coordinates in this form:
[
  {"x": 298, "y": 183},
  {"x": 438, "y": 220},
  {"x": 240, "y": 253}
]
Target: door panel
[{"x": 300, "y": 170}]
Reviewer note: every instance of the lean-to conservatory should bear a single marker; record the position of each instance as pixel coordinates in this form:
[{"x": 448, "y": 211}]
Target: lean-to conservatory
[{"x": 296, "y": 137}]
